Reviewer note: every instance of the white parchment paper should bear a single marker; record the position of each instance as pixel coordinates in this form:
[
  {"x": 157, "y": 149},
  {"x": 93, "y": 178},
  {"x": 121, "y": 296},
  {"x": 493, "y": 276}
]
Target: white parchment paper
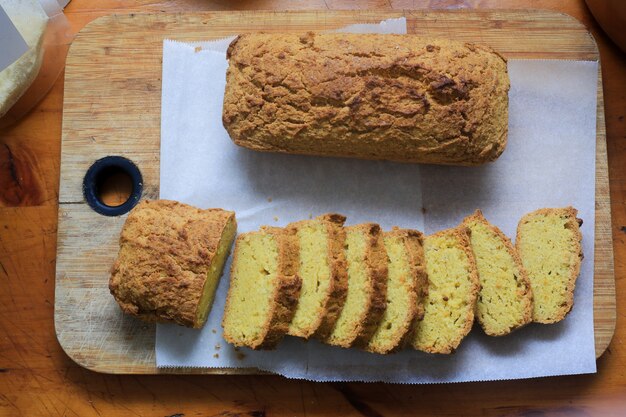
[{"x": 549, "y": 161}]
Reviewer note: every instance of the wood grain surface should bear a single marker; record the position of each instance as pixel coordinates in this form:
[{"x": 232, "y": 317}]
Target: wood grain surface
[
  {"x": 112, "y": 107},
  {"x": 37, "y": 378}
]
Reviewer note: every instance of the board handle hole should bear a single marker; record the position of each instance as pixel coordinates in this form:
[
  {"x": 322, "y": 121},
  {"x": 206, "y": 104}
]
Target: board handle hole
[{"x": 112, "y": 186}]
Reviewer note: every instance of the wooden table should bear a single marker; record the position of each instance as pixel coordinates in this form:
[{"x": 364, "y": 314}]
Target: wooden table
[{"x": 37, "y": 378}]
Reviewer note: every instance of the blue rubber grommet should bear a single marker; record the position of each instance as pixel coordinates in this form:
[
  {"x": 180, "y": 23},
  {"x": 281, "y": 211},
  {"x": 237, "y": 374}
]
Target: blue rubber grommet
[{"x": 104, "y": 168}]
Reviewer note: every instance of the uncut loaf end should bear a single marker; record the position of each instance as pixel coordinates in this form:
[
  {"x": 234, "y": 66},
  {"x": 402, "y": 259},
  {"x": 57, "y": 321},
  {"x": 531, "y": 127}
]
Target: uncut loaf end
[
  {"x": 394, "y": 97},
  {"x": 170, "y": 261}
]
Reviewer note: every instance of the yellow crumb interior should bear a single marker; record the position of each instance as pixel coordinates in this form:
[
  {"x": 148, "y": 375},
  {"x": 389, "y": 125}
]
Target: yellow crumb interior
[
  {"x": 548, "y": 251},
  {"x": 315, "y": 274},
  {"x": 500, "y": 307},
  {"x": 215, "y": 272},
  {"x": 355, "y": 308},
  {"x": 449, "y": 302},
  {"x": 397, "y": 316},
  {"x": 253, "y": 282}
]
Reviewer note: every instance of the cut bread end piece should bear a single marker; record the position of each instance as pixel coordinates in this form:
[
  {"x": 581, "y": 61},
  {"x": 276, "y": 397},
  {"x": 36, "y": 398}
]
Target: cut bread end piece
[
  {"x": 505, "y": 300},
  {"x": 322, "y": 269},
  {"x": 549, "y": 244},
  {"x": 367, "y": 287},
  {"x": 264, "y": 288},
  {"x": 406, "y": 288},
  {"x": 170, "y": 261},
  {"x": 452, "y": 290}
]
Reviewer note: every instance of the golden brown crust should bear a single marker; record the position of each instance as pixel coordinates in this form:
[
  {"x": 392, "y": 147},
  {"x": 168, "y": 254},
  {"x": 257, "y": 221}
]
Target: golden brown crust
[
  {"x": 462, "y": 233},
  {"x": 338, "y": 288},
  {"x": 376, "y": 261},
  {"x": 395, "y": 97},
  {"x": 166, "y": 250},
  {"x": 573, "y": 223},
  {"x": 526, "y": 294}
]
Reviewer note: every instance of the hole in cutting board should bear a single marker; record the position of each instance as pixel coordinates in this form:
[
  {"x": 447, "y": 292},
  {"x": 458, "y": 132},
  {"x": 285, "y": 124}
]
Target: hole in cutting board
[{"x": 112, "y": 186}]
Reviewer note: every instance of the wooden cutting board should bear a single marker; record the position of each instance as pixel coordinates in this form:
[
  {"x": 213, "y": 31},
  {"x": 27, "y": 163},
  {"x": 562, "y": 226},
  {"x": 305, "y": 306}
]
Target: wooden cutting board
[{"x": 112, "y": 107}]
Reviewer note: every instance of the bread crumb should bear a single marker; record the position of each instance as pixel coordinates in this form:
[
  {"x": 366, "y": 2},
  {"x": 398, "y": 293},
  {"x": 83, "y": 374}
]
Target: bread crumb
[
  {"x": 213, "y": 331},
  {"x": 217, "y": 355},
  {"x": 218, "y": 346},
  {"x": 275, "y": 218},
  {"x": 241, "y": 356},
  {"x": 197, "y": 49}
]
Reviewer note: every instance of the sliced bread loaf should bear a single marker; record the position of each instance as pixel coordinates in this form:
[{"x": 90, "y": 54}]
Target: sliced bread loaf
[
  {"x": 406, "y": 289},
  {"x": 505, "y": 300},
  {"x": 264, "y": 288},
  {"x": 324, "y": 275},
  {"x": 367, "y": 287},
  {"x": 452, "y": 290},
  {"x": 549, "y": 244}
]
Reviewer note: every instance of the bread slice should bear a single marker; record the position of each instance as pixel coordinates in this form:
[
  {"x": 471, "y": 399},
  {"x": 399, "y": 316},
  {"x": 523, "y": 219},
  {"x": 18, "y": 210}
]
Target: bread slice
[
  {"x": 264, "y": 288},
  {"x": 324, "y": 275},
  {"x": 170, "y": 261},
  {"x": 505, "y": 300},
  {"x": 367, "y": 287},
  {"x": 549, "y": 244},
  {"x": 452, "y": 290},
  {"x": 406, "y": 290}
]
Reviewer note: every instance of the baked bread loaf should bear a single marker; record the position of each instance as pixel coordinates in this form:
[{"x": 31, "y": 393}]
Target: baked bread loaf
[
  {"x": 170, "y": 260},
  {"x": 367, "y": 287},
  {"x": 549, "y": 244},
  {"x": 406, "y": 288},
  {"x": 395, "y": 97},
  {"x": 452, "y": 291},
  {"x": 505, "y": 300},
  {"x": 324, "y": 275},
  {"x": 264, "y": 288}
]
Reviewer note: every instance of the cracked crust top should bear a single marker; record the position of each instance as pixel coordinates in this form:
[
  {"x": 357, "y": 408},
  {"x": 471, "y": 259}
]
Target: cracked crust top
[{"x": 397, "y": 97}]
